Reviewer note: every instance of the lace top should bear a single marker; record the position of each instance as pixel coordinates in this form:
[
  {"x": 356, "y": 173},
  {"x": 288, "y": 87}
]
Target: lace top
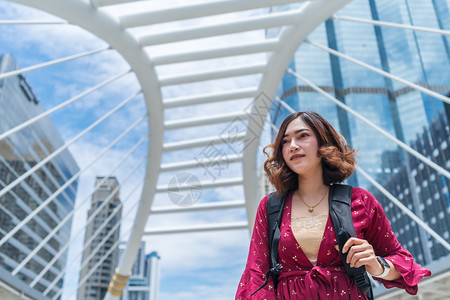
[{"x": 308, "y": 232}]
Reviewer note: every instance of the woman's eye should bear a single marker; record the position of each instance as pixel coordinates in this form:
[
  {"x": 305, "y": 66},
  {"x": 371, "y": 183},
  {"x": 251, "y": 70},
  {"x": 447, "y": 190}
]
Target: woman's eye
[{"x": 283, "y": 142}]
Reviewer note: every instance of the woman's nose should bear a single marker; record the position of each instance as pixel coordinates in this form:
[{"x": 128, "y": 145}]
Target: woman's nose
[{"x": 294, "y": 145}]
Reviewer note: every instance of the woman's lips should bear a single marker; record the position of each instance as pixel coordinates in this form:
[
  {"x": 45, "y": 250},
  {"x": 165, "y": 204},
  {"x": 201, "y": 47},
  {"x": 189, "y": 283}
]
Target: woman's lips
[{"x": 296, "y": 156}]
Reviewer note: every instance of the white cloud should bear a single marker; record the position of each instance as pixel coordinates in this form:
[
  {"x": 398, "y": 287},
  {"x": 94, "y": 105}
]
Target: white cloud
[{"x": 203, "y": 256}]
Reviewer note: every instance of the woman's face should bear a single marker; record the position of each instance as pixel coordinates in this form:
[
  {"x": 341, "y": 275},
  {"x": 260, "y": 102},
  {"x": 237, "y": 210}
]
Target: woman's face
[{"x": 299, "y": 148}]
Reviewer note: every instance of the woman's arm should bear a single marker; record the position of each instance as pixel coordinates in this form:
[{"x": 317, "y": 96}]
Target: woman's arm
[
  {"x": 380, "y": 240},
  {"x": 257, "y": 261}
]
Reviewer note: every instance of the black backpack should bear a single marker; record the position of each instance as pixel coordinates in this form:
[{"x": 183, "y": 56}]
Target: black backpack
[{"x": 340, "y": 212}]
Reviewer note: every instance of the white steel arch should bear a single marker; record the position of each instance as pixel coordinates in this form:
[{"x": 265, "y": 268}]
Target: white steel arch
[
  {"x": 290, "y": 38},
  {"x": 132, "y": 36}
]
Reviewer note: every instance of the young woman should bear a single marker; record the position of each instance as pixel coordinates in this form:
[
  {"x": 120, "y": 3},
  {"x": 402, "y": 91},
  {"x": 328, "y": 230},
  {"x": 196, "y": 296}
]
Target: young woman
[{"x": 308, "y": 157}]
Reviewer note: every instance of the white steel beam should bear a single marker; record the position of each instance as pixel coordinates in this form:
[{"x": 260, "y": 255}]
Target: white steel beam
[
  {"x": 197, "y": 228},
  {"x": 70, "y": 214},
  {"x": 196, "y": 10},
  {"x": 65, "y": 146},
  {"x": 81, "y": 204},
  {"x": 59, "y": 106},
  {"x": 253, "y": 23},
  {"x": 393, "y": 25},
  {"x": 52, "y": 62},
  {"x": 209, "y": 120},
  {"x": 33, "y": 22},
  {"x": 99, "y": 3},
  {"x": 85, "y": 245},
  {"x": 226, "y": 159},
  {"x": 96, "y": 265},
  {"x": 275, "y": 128},
  {"x": 201, "y": 142},
  {"x": 210, "y": 98},
  {"x": 210, "y": 184},
  {"x": 93, "y": 268},
  {"x": 44, "y": 161},
  {"x": 73, "y": 238},
  {"x": 285, "y": 105},
  {"x": 103, "y": 239},
  {"x": 268, "y": 45},
  {"x": 404, "y": 209},
  {"x": 213, "y": 74},
  {"x": 381, "y": 72},
  {"x": 198, "y": 207}
]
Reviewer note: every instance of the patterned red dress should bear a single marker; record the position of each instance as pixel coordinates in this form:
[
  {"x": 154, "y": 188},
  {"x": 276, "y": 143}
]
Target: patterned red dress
[{"x": 300, "y": 279}]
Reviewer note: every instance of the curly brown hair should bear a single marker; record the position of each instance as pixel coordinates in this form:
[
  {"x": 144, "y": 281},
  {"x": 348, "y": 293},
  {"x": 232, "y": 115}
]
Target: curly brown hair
[{"x": 338, "y": 161}]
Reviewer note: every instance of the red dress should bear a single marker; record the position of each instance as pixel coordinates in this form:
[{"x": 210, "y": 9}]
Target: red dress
[{"x": 299, "y": 279}]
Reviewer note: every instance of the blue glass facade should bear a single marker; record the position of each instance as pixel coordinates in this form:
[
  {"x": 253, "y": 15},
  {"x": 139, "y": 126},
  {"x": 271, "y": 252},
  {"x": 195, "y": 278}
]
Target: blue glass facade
[
  {"x": 19, "y": 152},
  {"x": 422, "y": 58},
  {"x": 422, "y": 191}
]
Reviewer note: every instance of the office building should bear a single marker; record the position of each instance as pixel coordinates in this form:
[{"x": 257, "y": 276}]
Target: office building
[
  {"x": 422, "y": 192},
  {"x": 20, "y": 152},
  {"x": 100, "y": 258},
  {"x": 143, "y": 283}
]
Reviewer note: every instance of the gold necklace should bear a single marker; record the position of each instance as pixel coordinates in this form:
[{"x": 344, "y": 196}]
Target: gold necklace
[{"x": 311, "y": 208}]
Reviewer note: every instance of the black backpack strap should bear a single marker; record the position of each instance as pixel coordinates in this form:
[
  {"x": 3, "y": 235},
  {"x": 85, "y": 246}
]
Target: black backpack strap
[
  {"x": 341, "y": 215},
  {"x": 275, "y": 204}
]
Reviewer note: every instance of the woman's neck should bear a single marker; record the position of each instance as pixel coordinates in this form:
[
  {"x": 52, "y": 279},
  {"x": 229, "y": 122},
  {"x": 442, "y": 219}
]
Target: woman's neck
[
  {"x": 310, "y": 197},
  {"x": 311, "y": 185}
]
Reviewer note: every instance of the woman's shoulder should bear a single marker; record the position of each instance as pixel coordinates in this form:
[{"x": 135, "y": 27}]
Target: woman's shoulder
[
  {"x": 263, "y": 203},
  {"x": 363, "y": 196},
  {"x": 360, "y": 192},
  {"x": 265, "y": 199}
]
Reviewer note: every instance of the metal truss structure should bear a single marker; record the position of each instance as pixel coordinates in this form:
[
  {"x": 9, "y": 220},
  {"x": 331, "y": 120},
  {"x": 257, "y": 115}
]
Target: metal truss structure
[{"x": 136, "y": 33}]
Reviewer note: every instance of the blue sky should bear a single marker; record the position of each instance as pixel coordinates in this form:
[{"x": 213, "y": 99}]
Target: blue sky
[{"x": 193, "y": 266}]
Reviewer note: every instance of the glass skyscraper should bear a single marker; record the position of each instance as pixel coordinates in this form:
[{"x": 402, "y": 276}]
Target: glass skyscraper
[
  {"x": 412, "y": 117},
  {"x": 20, "y": 152}
]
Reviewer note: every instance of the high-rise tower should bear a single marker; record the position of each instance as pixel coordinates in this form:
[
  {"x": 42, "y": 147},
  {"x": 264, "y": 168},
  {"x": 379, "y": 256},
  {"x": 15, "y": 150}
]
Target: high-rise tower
[{"x": 100, "y": 237}]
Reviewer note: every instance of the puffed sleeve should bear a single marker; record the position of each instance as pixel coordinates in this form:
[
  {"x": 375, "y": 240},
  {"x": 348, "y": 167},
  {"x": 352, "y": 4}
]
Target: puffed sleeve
[
  {"x": 385, "y": 244},
  {"x": 258, "y": 261}
]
